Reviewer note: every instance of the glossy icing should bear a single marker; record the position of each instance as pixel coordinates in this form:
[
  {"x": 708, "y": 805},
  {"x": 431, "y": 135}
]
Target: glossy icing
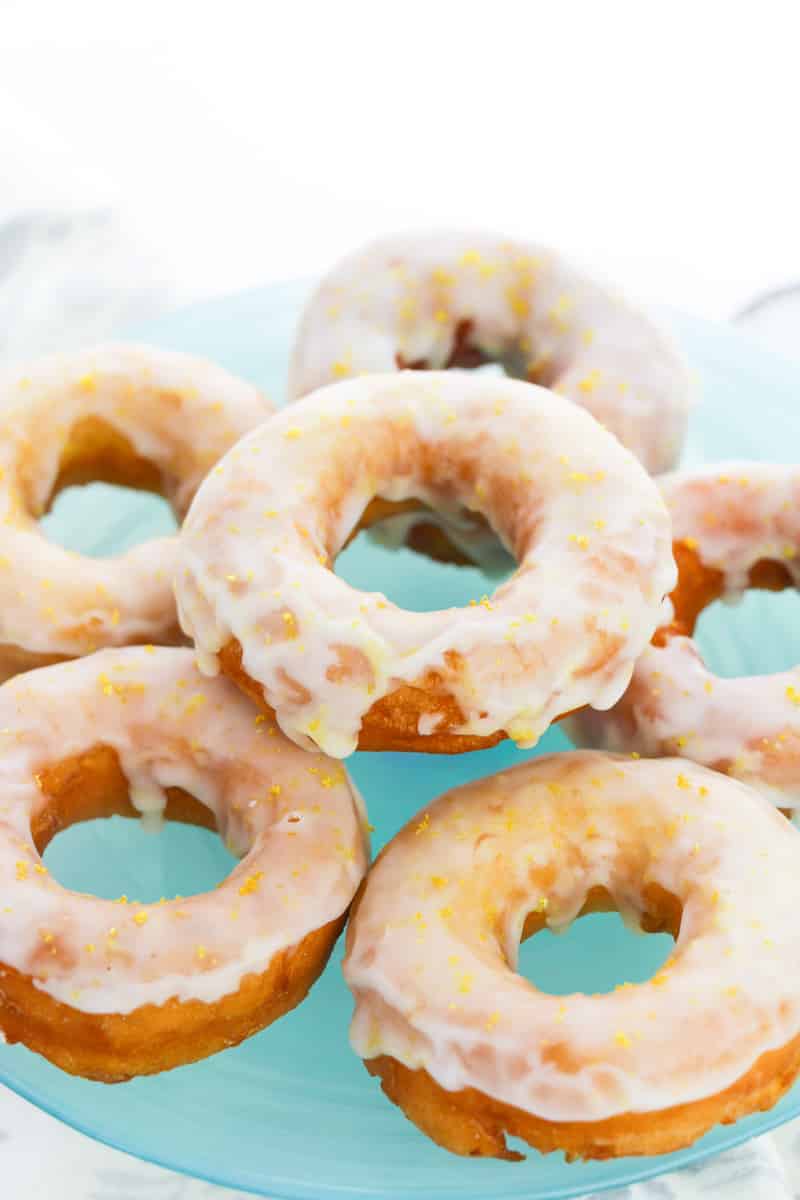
[
  {"x": 433, "y": 945},
  {"x": 415, "y": 298},
  {"x": 586, "y": 524},
  {"x": 733, "y": 515},
  {"x": 178, "y": 412},
  {"x": 296, "y": 822}
]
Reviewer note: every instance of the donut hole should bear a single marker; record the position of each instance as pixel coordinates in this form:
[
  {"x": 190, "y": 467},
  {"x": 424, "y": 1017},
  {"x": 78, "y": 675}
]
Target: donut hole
[
  {"x": 599, "y": 952},
  {"x": 101, "y": 519},
  {"x": 415, "y": 582},
  {"x": 115, "y": 857},
  {"x": 427, "y": 579},
  {"x": 760, "y": 634},
  {"x": 92, "y": 841},
  {"x": 467, "y": 353},
  {"x": 106, "y": 497}
]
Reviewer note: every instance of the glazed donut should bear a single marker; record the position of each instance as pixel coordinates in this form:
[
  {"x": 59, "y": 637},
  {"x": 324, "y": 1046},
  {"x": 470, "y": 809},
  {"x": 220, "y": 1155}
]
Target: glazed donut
[
  {"x": 342, "y": 668},
  {"x": 125, "y": 414},
  {"x": 471, "y": 1051},
  {"x": 109, "y": 990},
  {"x": 736, "y": 526},
  {"x": 447, "y": 299}
]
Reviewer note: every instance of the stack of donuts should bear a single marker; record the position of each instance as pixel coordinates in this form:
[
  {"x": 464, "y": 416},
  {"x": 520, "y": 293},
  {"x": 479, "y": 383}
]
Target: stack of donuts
[{"x": 221, "y": 676}]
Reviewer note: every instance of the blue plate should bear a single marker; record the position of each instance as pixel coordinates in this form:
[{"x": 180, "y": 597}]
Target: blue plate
[{"x": 292, "y": 1112}]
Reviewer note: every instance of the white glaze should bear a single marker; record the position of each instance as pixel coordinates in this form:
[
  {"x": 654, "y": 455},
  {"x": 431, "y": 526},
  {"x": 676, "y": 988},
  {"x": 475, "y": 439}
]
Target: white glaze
[
  {"x": 736, "y": 513},
  {"x": 432, "y": 947},
  {"x": 733, "y": 515},
  {"x": 296, "y": 819},
  {"x": 179, "y": 412},
  {"x": 584, "y": 520},
  {"x": 402, "y": 298}
]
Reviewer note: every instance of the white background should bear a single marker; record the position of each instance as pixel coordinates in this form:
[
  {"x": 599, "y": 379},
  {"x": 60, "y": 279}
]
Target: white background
[
  {"x": 228, "y": 144},
  {"x": 657, "y": 142}
]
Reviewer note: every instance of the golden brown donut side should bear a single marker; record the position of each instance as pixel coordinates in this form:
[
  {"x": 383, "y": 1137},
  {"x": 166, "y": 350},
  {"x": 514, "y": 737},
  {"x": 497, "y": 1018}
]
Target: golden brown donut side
[
  {"x": 111, "y": 1048},
  {"x": 471, "y": 1123},
  {"x": 700, "y": 585},
  {"x": 391, "y": 723}
]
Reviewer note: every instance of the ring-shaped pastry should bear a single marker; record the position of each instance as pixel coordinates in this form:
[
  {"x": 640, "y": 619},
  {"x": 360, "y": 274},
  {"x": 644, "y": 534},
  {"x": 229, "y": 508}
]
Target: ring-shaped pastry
[
  {"x": 343, "y": 668},
  {"x": 736, "y": 526},
  {"x": 443, "y": 299},
  {"x": 133, "y": 415},
  {"x": 472, "y": 1051},
  {"x": 110, "y": 990}
]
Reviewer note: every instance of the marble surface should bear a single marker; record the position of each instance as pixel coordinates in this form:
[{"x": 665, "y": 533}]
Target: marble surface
[{"x": 70, "y": 279}]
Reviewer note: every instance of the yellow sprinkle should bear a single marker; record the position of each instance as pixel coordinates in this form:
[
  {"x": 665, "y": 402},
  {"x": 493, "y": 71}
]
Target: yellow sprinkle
[
  {"x": 291, "y": 625},
  {"x": 87, "y": 383},
  {"x": 690, "y": 543},
  {"x": 200, "y": 952},
  {"x": 541, "y": 904},
  {"x": 789, "y": 552},
  {"x": 440, "y": 316},
  {"x": 703, "y": 790},
  {"x": 121, "y": 900},
  {"x": 622, "y": 1039},
  {"x": 793, "y": 695},
  {"x": 682, "y": 782},
  {"x": 519, "y": 304},
  {"x": 465, "y": 983},
  {"x": 635, "y": 754},
  {"x": 470, "y": 258},
  {"x": 445, "y": 912},
  {"x": 140, "y": 918},
  {"x": 341, "y": 368},
  {"x": 587, "y": 337},
  {"x": 112, "y": 933},
  {"x": 423, "y": 824},
  {"x": 708, "y": 686},
  {"x": 90, "y": 947},
  {"x": 579, "y": 539},
  {"x": 251, "y": 884},
  {"x": 491, "y": 1021},
  {"x": 439, "y": 881},
  {"x": 46, "y": 936},
  {"x": 439, "y": 275},
  {"x": 293, "y": 432},
  {"x": 194, "y": 703},
  {"x": 590, "y": 381},
  {"x": 22, "y": 870},
  {"x": 40, "y": 869},
  {"x": 275, "y": 790}
]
